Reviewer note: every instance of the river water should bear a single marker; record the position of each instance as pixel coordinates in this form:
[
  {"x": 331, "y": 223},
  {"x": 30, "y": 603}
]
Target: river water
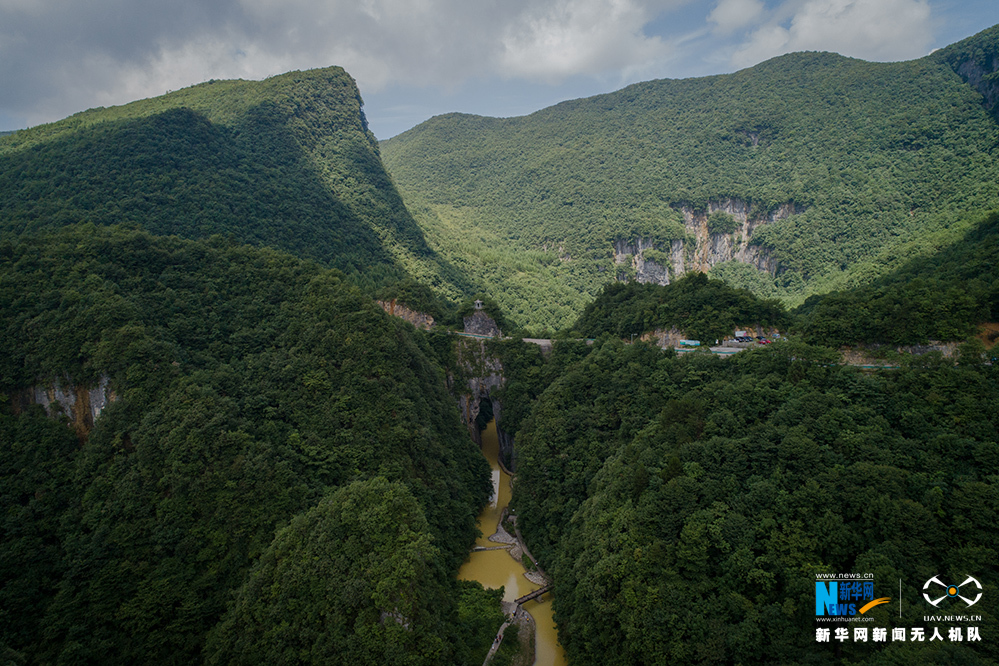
[{"x": 495, "y": 568}]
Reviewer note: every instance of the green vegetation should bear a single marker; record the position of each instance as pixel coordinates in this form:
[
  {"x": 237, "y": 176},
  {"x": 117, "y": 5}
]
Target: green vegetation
[
  {"x": 877, "y": 163},
  {"x": 974, "y": 59},
  {"x": 701, "y": 308},
  {"x": 286, "y": 162},
  {"x": 509, "y": 649},
  {"x": 414, "y": 295},
  {"x": 528, "y": 373},
  {"x": 369, "y": 544},
  {"x": 942, "y": 297},
  {"x": 489, "y": 306},
  {"x": 256, "y": 394},
  {"x": 684, "y": 505},
  {"x": 720, "y": 222},
  {"x": 282, "y": 475}
]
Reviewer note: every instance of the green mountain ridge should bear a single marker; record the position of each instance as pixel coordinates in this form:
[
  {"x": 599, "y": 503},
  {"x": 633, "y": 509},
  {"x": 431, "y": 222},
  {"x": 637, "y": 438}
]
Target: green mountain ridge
[
  {"x": 834, "y": 170},
  {"x": 284, "y": 475},
  {"x": 253, "y": 391},
  {"x": 287, "y": 162},
  {"x": 685, "y": 506},
  {"x": 944, "y": 296}
]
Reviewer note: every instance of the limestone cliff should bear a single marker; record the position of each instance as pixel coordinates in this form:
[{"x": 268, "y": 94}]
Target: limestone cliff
[
  {"x": 479, "y": 323},
  {"x": 80, "y": 403},
  {"x": 481, "y": 374},
  {"x": 417, "y": 319},
  {"x": 701, "y": 250},
  {"x": 976, "y": 61},
  {"x": 665, "y": 338}
]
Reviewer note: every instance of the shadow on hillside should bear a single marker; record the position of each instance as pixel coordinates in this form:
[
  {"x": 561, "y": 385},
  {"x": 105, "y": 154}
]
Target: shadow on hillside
[{"x": 178, "y": 173}]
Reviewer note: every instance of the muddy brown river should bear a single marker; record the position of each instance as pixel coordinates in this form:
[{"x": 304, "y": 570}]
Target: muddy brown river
[{"x": 495, "y": 568}]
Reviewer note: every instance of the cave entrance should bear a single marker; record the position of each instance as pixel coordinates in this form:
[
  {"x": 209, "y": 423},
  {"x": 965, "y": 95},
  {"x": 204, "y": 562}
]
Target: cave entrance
[{"x": 485, "y": 414}]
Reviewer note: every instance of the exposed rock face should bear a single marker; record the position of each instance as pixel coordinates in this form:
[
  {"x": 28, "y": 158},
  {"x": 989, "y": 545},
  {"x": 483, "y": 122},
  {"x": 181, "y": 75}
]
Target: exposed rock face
[
  {"x": 665, "y": 338},
  {"x": 417, "y": 319},
  {"x": 978, "y": 72},
  {"x": 81, "y": 404},
  {"x": 482, "y": 324},
  {"x": 484, "y": 374},
  {"x": 863, "y": 354},
  {"x": 707, "y": 249}
]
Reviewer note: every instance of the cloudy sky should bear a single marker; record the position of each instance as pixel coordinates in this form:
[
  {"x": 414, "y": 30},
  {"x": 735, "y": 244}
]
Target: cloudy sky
[{"x": 417, "y": 58}]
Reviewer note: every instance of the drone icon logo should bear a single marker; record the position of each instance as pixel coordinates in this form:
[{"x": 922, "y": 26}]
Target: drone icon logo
[{"x": 952, "y": 591}]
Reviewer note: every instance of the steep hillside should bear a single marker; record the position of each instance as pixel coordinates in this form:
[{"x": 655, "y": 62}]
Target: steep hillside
[
  {"x": 693, "y": 306},
  {"x": 805, "y": 173},
  {"x": 286, "y": 162},
  {"x": 245, "y": 394},
  {"x": 945, "y": 296},
  {"x": 684, "y": 506}
]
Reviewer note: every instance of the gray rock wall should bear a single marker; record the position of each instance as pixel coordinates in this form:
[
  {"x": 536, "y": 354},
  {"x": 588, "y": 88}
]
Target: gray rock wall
[
  {"x": 81, "y": 404},
  {"x": 703, "y": 250},
  {"x": 482, "y": 324}
]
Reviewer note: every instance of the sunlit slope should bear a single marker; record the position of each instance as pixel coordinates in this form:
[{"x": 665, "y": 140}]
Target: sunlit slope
[
  {"x": 831, "y": 169},
  {"x": 287, "y": 162}
]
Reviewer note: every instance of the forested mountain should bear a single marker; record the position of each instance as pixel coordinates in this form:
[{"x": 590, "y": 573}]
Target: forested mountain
[
  {"x": 944, "y": 296},
  {"x": 216, "y": 448},
  {"x": 261, "y": 413},
  {"x": 286, "y": 162},
  {"x": 807, "y": 173},
  {"x": 698, "y": 307},
  {"x": 685, "y": 505}
]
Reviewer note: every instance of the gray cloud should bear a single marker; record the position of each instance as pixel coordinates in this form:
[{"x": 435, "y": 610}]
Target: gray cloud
[{"x": 57, "y": 57}]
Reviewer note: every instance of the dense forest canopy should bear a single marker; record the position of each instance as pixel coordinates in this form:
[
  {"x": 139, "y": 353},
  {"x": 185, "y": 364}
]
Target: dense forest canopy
[
  {"x": 252, "y": 387},
  {"x": 281, "y": 473},
  {"x": 700, "y": 308},
  {"x": 846, "y": 168},
  {"x": 944, "y": 296},
  {"x": 684, "y": 505}
]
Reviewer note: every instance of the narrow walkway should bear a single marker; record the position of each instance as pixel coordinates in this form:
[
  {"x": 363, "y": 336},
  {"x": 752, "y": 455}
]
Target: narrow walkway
[
  {"x": 533, "y": 595},
  {"x": 496, "y": 643}
]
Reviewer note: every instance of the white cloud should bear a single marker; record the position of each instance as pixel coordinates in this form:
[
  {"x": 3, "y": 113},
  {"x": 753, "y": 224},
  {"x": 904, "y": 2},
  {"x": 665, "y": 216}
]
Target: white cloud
[
  {"x": 112, "y": 51},
  {"x": 882, "y": 30},
  {"x": 731, "y": 15},
  {"x": 57, "y": 57},
  {"x": 561, "y": 39}
]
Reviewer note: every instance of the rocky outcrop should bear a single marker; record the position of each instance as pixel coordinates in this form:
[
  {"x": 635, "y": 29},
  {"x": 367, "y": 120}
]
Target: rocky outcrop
[
  {"x": 646, "y": 268},
  {"x": 507, "y": 453},
  {"x": 665, "y": 338},
  {"x": 872, "y": 354},
  {"x": 417, "y": 319},
  {"x": 483, "y": 375},
  {"x": 482, "y": 324},
  {"x": 80, "y": 403},
  {"x": 702, "y": 250},
  {"x": 976, "y": 61},
  {"x": 980, "y": 77}
]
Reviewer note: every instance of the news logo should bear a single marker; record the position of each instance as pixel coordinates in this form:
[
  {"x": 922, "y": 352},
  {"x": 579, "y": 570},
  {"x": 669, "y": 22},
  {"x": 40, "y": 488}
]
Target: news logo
[
  {"x": 952, "y": 591},
  {"x": 841, "y": 598}
]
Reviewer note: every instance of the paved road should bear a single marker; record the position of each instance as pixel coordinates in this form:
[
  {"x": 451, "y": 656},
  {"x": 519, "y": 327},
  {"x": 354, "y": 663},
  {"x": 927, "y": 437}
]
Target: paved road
[{"x": 718, "y": 351}]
